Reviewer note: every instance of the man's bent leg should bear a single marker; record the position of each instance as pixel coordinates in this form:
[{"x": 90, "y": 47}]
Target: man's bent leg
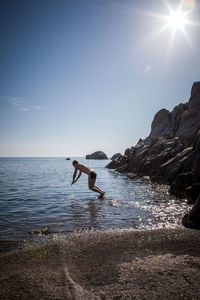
[{"x": 94, "y": 188}]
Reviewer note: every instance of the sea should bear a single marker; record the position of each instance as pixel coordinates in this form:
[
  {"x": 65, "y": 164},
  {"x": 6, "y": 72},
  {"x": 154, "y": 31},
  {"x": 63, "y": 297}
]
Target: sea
[{"x": 37, "y": 198}]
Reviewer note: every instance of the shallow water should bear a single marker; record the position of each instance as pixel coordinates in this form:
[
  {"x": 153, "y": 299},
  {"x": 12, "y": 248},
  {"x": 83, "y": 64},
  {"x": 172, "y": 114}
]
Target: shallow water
[{"x": 37, "y": 192}]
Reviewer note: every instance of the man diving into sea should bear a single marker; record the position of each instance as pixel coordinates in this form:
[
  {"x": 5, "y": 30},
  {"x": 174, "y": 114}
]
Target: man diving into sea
[{"x": 92, "y": 176}]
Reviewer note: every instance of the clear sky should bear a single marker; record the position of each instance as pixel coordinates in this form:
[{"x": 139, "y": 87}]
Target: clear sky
[{"x": 85, "y": 75}]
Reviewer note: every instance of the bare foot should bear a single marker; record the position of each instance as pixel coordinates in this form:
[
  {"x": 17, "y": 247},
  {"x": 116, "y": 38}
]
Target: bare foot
[{"x": 101, "y": 196}]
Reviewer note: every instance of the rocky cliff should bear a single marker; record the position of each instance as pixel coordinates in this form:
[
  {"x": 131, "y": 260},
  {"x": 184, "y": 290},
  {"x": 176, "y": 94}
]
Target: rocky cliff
[{"x": 171, "y": 152}]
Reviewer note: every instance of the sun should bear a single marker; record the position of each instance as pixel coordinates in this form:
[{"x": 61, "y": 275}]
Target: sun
[
  {"x": 174, "y": 28},
  {"x": 177, "y": 20}
]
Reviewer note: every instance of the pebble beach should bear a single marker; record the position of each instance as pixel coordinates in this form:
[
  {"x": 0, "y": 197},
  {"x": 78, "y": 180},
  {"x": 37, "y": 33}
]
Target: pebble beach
[{"x": 118, "y": 264}]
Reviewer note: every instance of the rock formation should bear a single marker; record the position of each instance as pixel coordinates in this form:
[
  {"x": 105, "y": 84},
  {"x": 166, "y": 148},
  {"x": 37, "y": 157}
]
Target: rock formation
[
  {"x": 97, "y": 155},
  {"x": 171, "y": 153},
  {"x": 192, "y": 219},
  {"x": 116, "y": 156}
]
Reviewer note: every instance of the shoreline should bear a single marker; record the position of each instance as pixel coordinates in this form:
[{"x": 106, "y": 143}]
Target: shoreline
[{"x": 117, "y": 264}]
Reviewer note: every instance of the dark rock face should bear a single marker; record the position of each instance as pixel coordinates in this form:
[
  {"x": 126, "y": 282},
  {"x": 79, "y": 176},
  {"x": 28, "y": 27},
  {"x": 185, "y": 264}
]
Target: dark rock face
[
  {"x": 161, "y": 123},
  {"x": 116, "y": 156},
  {"x": 192, "y": 219},
  {"x": 171, "y": 152},
  {"x": 97, "y": 155}
]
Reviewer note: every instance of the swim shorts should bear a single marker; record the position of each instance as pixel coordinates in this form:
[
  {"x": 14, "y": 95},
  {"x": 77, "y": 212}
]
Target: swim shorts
[{"x": 92, "y": 175}]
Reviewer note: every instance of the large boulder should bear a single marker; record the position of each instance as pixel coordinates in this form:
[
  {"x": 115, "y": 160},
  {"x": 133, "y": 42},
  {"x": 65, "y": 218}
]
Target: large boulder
[
  {"x": 161, "y": 123},
  {"x": 97, "y": 155},
  {"x": 116, "y": 155},
  {"x": 119, "y": 163},
  {"x": 169, "y": 170},
  {"x": 192, "y": 219}
]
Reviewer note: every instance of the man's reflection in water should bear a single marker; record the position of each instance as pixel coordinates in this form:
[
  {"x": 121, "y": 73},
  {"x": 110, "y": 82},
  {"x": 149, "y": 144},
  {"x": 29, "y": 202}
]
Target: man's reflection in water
[
  {"x": 85, "y": 216},
  {"x": 93, "y": 216}
]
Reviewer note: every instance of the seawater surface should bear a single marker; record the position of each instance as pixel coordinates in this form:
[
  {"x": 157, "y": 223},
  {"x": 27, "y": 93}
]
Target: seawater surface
[{"x": 37, "y": 193}]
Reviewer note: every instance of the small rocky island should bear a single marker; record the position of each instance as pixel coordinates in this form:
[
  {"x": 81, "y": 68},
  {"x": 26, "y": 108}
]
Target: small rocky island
[
  {"x": 171, "y": 153},
  {"x": 97, "y": 155}
]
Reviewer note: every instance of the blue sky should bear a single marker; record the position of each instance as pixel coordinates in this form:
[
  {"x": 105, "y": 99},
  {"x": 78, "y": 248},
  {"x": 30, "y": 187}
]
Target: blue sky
[{"x": 85, "y": 75}]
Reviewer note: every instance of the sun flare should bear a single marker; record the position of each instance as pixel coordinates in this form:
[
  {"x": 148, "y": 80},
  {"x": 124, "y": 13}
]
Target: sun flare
[
  {"x": 175, "y": 24},
  {"x": 177, "y": 20}
]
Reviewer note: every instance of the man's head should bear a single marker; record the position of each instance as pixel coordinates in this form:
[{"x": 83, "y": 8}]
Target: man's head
[{"x": 74, "y": 163}]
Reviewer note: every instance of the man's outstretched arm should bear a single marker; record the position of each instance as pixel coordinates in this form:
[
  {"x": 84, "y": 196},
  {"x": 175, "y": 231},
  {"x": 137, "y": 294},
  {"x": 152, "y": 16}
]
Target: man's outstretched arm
[
  {"x": 74, "y": 176},
  {"x": 79, "y": 175}
]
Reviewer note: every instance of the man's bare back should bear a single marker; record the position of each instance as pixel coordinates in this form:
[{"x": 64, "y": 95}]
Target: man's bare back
[{"x": 83, "y": 168}]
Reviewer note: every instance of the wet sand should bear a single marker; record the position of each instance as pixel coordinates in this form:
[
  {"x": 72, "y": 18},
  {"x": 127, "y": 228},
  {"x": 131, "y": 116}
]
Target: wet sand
[{"x": 126, "y": 264}]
